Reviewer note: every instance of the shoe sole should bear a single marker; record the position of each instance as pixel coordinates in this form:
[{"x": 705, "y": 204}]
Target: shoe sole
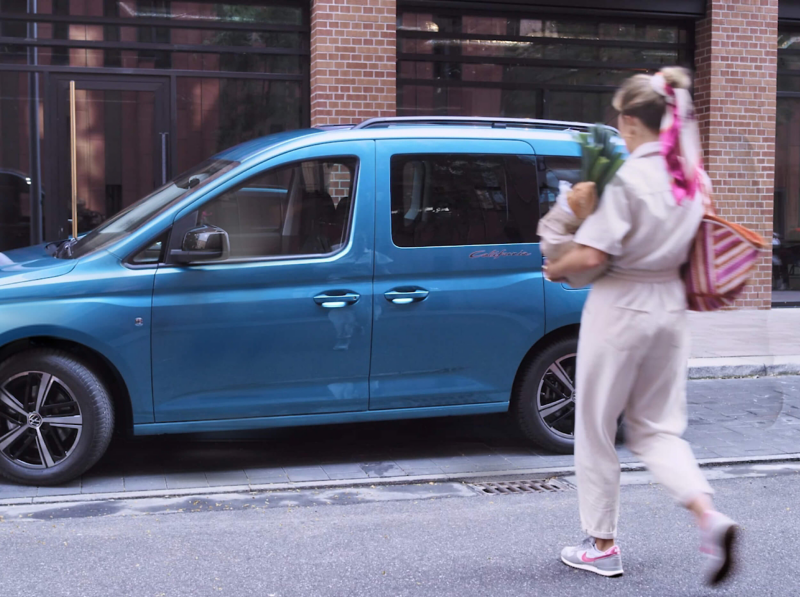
[
  {"x": 588, "y": 568},
  {"x": 729, "y": 544}
]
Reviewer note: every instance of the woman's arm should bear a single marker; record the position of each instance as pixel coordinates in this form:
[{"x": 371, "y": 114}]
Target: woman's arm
[{"x": 576, "y": 261}]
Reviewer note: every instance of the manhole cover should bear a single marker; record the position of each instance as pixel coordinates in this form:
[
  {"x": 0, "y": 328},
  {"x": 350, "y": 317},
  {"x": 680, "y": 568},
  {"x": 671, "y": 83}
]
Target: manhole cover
[{"x": 508, "y": 487}]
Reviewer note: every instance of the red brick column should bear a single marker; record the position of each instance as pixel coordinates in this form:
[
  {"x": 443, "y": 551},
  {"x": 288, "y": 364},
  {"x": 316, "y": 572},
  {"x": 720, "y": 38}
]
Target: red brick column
[
  {"x": 353, "y": 60},
  {"x": 734, "y": 90}
]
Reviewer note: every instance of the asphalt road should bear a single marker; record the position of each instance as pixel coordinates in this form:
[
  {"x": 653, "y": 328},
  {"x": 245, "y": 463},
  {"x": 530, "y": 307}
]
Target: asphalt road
[{"x": 406, "y": 541}]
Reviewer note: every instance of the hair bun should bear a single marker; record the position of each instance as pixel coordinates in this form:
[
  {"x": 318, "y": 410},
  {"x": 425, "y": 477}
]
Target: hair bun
[{"x": 677, "y": 77}]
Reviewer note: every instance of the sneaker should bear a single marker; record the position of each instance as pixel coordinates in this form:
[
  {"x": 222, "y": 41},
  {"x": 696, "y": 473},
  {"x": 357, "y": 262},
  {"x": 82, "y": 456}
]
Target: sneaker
[
  {"x": 586, "y": 556},
  {"x": 718, "y": 538}
]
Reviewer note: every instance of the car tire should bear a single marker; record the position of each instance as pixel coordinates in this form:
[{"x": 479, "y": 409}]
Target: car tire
[
  {"x": 543, "y": 401},
  {"x": 56, "y": 417}
]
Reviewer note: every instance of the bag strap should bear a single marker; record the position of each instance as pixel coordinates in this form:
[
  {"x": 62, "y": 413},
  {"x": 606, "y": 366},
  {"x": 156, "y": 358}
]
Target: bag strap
[{"x": 708, "y": 203}]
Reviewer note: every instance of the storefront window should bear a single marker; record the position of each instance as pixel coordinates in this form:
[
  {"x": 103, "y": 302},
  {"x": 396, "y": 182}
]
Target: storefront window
[
  {"x": 517, "y": 66},
  {"x": 20, "y": 128},
  {"x": 160, "y": 85},
  {"x": 786, "y": 214}
]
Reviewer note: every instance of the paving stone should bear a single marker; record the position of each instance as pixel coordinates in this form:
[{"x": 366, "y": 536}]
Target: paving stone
[
  {"x": 343, "y": 468},
  {"x": 109, "y": 484},
  {"x": 351, "y": 475},
  {"x": 71, "y": 488},
  {"x": 186, "y": 480},
  {"x": 144, "y": 482},
  {"x": 306, "y": 473},
  {"x": 223, "y": 478},
  {"x": 383, "y": 469},
  {"x": 266, "y": 475},
  {"x": 12, "y": 490}
]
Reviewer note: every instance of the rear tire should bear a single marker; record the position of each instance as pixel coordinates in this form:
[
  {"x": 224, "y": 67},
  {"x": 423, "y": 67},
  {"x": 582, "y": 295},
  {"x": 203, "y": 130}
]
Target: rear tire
[
  {"x": 543, "y": 402},
  {"x": 56, "y": 417}
]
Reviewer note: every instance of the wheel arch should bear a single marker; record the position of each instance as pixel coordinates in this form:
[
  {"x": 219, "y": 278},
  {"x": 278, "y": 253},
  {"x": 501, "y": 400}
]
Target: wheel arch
[
  {"x": 567, "y": 331},
  {"x": 107, "y": 371}
]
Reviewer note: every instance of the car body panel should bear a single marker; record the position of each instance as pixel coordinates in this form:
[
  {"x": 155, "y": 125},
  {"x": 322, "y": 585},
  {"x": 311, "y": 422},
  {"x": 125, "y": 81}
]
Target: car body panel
[
  {"x": 257, "y": 344},
  {"x": 30, "y": 264},
  {"x": 464, "y": 342},
  {"x": 98, "y": 305},
  {"x": 319, "y": 419}
]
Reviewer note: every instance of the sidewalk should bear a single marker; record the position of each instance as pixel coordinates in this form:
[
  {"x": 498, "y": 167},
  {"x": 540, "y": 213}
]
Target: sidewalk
[
  {"x": 745, "y": 343},
  {"x": 741, "y": 419}
]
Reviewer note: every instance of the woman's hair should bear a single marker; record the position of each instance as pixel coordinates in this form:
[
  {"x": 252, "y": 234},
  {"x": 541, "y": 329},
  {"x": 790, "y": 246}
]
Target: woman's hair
[{"x": 637, "y": 97}]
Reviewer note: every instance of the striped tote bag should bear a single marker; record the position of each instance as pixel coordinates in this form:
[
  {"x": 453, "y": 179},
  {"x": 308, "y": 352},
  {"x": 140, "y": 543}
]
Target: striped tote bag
[{"x": 720, "y": 261}]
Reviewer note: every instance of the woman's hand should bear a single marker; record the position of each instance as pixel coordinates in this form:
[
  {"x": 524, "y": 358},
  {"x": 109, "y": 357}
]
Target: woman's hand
[
  {"x": 579, "y": 259},
  {"x": 550, "y": 271}
]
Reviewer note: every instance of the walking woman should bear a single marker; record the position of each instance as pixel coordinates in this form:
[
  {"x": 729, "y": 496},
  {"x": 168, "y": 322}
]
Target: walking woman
[{"x": 634, "y": 345}]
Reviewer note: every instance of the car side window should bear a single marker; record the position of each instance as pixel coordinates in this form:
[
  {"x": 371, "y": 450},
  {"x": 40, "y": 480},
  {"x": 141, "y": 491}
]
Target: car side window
[
  {"x": 299, "y": 209},
  {"x": 443, "y": 200},
  {"x": 152, "y": 254},
  {"x": 553, "y": 169}
]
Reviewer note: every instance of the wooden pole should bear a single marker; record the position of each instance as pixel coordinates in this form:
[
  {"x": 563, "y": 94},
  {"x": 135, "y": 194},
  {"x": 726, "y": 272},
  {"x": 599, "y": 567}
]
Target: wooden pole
[{"x": 73, "y": 151}]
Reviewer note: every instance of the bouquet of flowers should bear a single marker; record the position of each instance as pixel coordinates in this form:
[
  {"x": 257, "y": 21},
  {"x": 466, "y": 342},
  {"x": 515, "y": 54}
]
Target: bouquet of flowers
[{"x": 600, "y": 160}]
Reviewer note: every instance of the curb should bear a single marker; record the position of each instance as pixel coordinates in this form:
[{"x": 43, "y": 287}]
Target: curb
[
  {"x": 558, "y": 471},
  {"x": 737, "y": 367}
]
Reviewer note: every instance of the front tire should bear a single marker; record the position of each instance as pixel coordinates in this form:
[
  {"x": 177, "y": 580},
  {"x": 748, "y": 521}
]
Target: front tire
[
  {"x": 543, "y": 403},
  {"x": 56, "y": 417}
]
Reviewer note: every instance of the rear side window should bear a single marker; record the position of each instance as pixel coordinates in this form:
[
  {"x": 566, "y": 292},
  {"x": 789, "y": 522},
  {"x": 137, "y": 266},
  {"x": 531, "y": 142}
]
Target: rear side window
[
  {"x": 445, "y": 200},
  {"x": 552, "y": 170}
]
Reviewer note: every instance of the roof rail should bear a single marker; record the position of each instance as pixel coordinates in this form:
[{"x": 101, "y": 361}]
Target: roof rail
[{"x": 498, "y": 123}]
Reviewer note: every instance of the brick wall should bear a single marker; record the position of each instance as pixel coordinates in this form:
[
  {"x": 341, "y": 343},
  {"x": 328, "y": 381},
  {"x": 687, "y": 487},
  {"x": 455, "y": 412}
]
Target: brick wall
[
  {"x": 353, "y": 60},
  {"x": 734, "y": 90}
]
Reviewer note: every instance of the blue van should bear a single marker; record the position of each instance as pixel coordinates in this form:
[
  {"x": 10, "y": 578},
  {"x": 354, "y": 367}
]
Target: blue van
[{"x": 386, "y": 270}]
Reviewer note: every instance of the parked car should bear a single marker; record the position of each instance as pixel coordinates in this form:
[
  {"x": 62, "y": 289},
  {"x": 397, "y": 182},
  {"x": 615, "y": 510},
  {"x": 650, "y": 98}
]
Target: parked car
[{"x": 388, "y": 270}]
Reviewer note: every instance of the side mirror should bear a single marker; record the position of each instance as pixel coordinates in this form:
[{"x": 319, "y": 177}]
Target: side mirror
[{"x": 201, "y": 244}]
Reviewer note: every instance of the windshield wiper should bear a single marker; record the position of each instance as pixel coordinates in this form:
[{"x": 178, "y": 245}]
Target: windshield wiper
[{"x": 64, "y": 250}]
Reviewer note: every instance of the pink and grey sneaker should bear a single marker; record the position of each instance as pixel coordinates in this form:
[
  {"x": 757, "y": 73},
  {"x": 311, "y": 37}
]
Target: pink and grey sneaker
[
  {"x": 586, "y": 556},
  {"x": 718, "y": 539}
]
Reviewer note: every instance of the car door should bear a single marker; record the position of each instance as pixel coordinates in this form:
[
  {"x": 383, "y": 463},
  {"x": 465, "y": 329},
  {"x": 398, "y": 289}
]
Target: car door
[
  {"x": 458, "y": 274},
  {"x": 283, "y": 325}
]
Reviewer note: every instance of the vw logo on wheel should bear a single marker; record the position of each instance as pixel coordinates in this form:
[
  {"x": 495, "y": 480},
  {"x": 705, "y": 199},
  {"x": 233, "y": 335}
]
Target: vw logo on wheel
[{"x": 35, "y": 420}]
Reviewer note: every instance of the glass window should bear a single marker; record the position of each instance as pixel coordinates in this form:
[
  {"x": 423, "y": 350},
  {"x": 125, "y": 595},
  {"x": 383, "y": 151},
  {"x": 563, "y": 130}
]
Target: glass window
[
  {"x": 145, "y": 209},
  {"x": 450, "y": 200},
  {"x": 20, "y": 179},
  {"x": 215, "y": 114},
  {"x": 151, "y": 254},
  {"x": 552, "y": 170},
  {"x": 301, "y": 209},
  {"x": 482, "y": 65}
]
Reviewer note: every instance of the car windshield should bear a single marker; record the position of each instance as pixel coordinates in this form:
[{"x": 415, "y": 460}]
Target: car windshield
[{"x": 132, "y": 217}]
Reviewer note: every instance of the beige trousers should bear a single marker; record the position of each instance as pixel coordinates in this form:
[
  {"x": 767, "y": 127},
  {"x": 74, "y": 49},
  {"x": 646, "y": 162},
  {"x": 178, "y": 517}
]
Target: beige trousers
[{"x": 632, "y": 359}]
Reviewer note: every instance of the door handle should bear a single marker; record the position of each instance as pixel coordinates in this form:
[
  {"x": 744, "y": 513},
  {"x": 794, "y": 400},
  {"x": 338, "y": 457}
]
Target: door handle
[
  {"x": 402, "y": 296},
  {"x": 336, "y": 300}
]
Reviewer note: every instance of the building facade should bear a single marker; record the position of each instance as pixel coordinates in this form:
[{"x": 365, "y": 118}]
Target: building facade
[{"x": 161, "y": 85}]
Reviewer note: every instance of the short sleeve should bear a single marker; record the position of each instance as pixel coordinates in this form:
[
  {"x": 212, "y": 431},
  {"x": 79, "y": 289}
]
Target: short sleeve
[{"x": 608, "y": 226}]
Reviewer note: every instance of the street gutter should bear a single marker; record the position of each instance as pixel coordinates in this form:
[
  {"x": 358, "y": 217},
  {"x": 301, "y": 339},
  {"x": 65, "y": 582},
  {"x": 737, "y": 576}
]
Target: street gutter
[{"x": 545, "y": 472}]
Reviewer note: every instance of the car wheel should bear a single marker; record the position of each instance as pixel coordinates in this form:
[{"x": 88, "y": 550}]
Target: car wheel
[
  {"x": 544, "y": 397},
  {"x": 56, "y": 417}
]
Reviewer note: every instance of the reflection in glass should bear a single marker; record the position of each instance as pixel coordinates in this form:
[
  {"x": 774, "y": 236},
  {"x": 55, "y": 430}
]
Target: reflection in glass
[{"x": 526, "y": 67}]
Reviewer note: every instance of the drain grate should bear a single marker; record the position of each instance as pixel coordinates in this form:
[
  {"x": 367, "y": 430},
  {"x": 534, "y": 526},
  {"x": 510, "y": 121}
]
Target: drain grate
[{"x": 509, "y": 487}]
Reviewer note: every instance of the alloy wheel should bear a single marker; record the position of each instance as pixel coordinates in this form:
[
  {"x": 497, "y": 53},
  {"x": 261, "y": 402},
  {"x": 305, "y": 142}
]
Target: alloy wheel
[
  {"x": 40, "y": 420},
  {"x": 555, "y": 398}
]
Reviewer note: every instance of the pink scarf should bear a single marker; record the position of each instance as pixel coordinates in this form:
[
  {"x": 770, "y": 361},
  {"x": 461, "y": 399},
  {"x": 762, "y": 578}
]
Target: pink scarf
[{"x": 680, "y": 140}]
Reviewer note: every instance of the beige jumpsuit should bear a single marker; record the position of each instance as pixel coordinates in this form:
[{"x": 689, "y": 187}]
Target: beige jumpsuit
[{"x": 634, "y": 345}]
